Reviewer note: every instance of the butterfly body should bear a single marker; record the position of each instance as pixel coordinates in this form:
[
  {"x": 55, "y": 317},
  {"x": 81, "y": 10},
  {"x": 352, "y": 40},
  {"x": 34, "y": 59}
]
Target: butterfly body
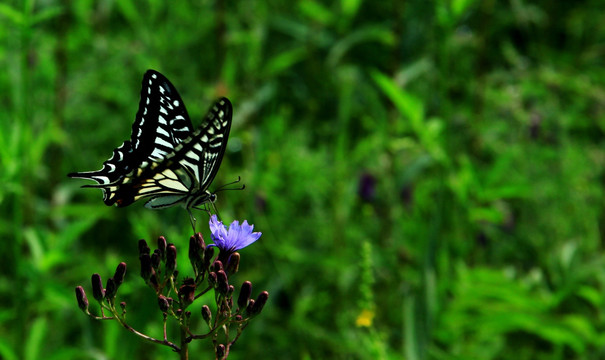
[{"x": 165, "y": 160}]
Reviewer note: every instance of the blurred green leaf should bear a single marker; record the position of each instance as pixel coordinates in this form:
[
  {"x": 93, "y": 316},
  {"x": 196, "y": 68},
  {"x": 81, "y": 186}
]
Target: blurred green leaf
[
  {"x": 34, "y": 342},
  {"x": 15, "y": 16},
  {"x": 316, "y": 11}
]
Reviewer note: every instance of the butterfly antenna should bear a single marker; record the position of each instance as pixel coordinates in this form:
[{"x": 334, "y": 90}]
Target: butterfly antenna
[{"x": 224, "y": 187}]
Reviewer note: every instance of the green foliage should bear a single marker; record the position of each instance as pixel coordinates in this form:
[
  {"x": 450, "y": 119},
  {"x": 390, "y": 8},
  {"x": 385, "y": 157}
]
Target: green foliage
[{"x": 480, "y": 122}]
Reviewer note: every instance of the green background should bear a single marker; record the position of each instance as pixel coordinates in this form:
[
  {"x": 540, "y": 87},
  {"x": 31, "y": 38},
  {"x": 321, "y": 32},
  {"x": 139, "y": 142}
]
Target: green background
[{"x": 477, "y": 128}]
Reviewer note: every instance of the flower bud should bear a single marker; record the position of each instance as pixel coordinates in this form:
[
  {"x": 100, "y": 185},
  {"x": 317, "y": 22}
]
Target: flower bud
[
  {"x": 162, "y": 247},
  {"x": 233, "y": 263},
  {"x": 123, "y": 306},
  {"x": 206, "y": 314},
  {"x": 143, "y": 248},
  {"x": 220, "y": 351},
  {"x": 212, "y": 278},
  {"x": 118, "y": 276},
  {"x": 200, "y": 239},
  {"x": 208, "y": 255},
  {"x": 187, "y": 292},
  {"x": 163, "y": 303},
  {"x": 244, "y": 295},
  {"x": 261, "y": 300},
  {"x": 196, "y": 252},
  {"x": 222, "y": 283},
  {"x": 217, "y": 265},
  {"x": 156, "y": 257},
  {"x": 249, "y": 308},
  {"x": 238, "y": 318},
  {"x": 146, "y": 268},
  {"x": 97, "y": 288},
  {"x": 110, "y": 290},
  {"x": 170, "y": 259},
  {"x": 82, "y": 300}
]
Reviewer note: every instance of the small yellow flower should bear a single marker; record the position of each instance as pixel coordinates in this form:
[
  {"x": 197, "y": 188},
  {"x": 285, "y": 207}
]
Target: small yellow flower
[{"x": 365, "y": 318}]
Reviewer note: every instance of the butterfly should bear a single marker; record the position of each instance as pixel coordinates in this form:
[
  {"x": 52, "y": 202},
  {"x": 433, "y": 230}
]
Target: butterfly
[{"x": 165, "y": 161}]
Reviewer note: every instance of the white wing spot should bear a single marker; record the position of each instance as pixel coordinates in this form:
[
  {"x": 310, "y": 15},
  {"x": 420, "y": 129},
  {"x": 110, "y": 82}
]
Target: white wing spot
[
  {"x": 175, "y": 103},
  {"x": 163, "y": 132},
  {"x": 162, "y": 142}
]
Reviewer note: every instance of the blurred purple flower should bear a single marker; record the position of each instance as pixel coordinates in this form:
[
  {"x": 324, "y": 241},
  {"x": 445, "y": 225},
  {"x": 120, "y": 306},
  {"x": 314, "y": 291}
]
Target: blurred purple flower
[
  {"x": 366, "y": 188},
  {"x": 235, "y": 237}
]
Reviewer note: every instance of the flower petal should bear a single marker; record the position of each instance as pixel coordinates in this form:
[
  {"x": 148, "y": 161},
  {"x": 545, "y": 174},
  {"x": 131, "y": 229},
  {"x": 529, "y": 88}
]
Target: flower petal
[{"x": 233, "y": 238}]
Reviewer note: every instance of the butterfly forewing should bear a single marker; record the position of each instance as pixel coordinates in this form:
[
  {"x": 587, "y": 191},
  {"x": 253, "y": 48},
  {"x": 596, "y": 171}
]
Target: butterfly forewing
[{"x": 162, "y": 121}]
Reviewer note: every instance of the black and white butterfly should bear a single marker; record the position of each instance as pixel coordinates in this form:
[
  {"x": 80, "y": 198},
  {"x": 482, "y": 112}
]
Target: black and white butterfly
[{"x": 165, "y": 160}]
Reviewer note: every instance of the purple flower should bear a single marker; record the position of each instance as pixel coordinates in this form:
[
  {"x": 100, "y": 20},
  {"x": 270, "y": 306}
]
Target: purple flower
[{"x": 235, "y": 237}]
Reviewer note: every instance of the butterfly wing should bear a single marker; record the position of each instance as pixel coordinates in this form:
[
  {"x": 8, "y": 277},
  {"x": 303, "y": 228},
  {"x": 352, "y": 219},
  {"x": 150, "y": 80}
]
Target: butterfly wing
[
  {"x": 161, "y": 123},
  {"x": 185, "y": 174}
]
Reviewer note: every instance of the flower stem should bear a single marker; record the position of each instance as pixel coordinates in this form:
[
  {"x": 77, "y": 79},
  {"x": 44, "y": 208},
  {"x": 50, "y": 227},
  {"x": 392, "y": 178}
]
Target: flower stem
[{"x": 184, "y": 344}]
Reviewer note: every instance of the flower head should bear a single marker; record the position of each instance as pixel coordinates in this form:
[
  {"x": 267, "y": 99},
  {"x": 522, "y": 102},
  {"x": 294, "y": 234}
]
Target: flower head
[{"x": 235, "y": 237}]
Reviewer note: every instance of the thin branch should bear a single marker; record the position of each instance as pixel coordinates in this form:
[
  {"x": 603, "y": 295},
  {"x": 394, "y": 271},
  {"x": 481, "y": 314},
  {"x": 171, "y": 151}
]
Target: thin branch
[
  {"x": 148, "y": 338},
  {"x": 203, "y": 292}
]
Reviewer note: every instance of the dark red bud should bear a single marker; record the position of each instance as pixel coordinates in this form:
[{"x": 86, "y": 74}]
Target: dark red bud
[
  {"x": 217, "y": 265},
  {"x": 250, "y": 306},
  {"x": 170, "y": 259},
  {"x": 118, "y": 277},
  {"x": 162, "y": 244},
  {"x": 261, "y": 300},
  {"x": 208, "y": 255},
  {"x": 97, "y": 288},
  {"x": 143, "y": 248},
  {"x": 206, "y": 314},
  {"x": 163, "y": 303},
  {"x": 82, "y": 300},
  {"x": 244, "y": 295},
  {"x": 222, "y": 283},
  {"x": 220, "y": 351},
  {"x": 233, "y": 263},
  {"x": 156, "y": 258},
  {"x": 110, "y": 290},
  {"x": 212, "y": 278},
  {"x": 146, "y": 268},
  {"x": 187, "y": 292}
]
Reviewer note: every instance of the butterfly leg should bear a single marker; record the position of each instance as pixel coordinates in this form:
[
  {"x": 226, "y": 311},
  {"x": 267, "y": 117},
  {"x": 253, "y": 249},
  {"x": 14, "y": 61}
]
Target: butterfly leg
[{"x": 192, "y": 219}]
